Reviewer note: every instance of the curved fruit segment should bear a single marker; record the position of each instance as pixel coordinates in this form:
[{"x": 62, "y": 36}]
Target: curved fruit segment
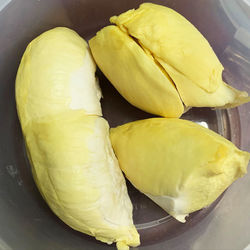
[
  {"x": 68, "y": 144},
  {"x": 183, "y": 166},
  {"x": 134, "y": 73},
  {"x": 176, "y": 48}
]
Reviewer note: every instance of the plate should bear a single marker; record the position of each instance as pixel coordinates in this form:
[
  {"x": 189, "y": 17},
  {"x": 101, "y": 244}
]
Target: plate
[{"x": 26, "y": 221}]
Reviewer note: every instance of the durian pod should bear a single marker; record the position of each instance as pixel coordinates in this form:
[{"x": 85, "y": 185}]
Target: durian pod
[
  {"x": 192, "y": 71},
  {"x": 68, "y": 145},
  {"x": 180, "y": 165}
]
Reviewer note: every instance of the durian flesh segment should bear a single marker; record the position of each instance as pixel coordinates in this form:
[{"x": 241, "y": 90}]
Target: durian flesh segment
[
  {"x": 180, "y": 165},
  {"x": 72, "y": 160},
  {"x": 78, "y": 175},
  {"x": 183, "y": 52},
  {"x": 134, "y": 73},
  {"x": 57, "y": 74}
]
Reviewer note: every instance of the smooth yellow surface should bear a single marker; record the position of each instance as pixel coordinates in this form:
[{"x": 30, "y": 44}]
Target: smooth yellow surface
[
  {"x": 155, "y": 42},
  {"x": 134, "y": 73},
  {"x": 68, "y": 144},
  {"x": 182, "y": 166}
]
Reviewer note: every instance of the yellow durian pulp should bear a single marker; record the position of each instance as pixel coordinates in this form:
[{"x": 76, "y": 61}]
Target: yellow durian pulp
[
  {"x": 180, "y": 165},
  {"x": 67, "y": 141},
  {"x": 155, "y": 42}
]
